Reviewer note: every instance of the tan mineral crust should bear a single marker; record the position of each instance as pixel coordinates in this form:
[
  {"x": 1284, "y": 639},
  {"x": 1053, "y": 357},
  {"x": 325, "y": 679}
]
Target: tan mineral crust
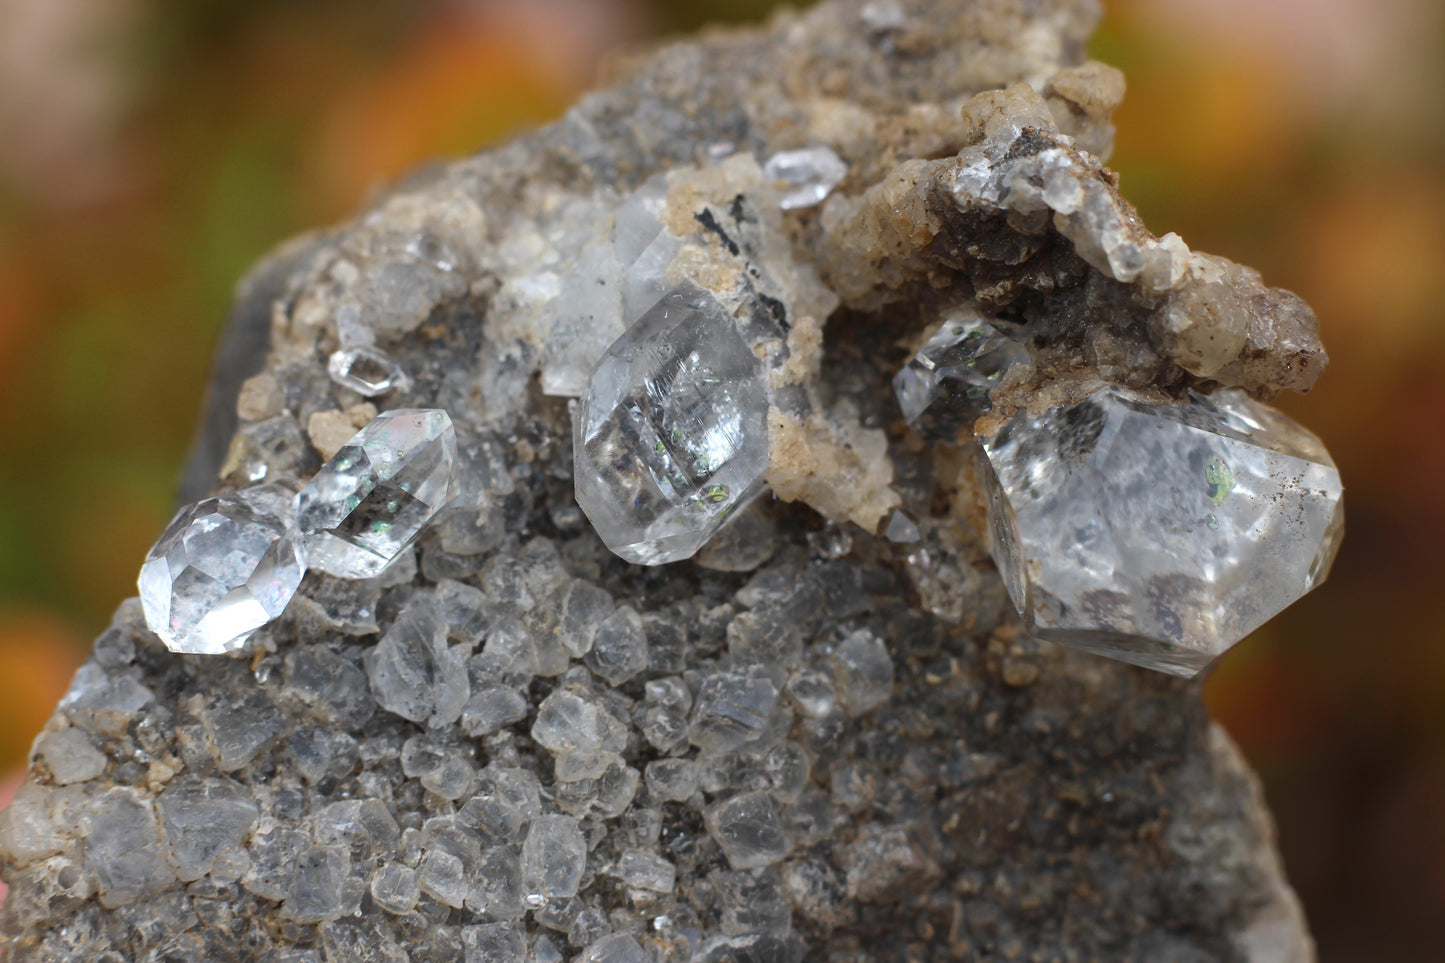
[{"x": 809, "y": 743}]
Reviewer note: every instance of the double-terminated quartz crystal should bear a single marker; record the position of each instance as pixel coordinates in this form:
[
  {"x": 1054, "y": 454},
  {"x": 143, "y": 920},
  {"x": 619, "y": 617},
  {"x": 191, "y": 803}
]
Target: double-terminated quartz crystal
[
  {"x": 945, "y": 387},
  {"x": 1158, "y": 534},
  {"x": 223, "y": 568},
  {"x": 671, "y": 436},
  {"x": 378, "y": 491}
]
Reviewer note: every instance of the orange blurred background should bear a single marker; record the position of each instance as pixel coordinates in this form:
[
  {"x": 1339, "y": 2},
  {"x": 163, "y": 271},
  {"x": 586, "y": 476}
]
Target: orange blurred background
[{"x": 150, "y": 151}]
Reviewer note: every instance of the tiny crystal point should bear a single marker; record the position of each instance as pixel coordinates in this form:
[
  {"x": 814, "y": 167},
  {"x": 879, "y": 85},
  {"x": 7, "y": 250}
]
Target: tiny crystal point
[
  {"x": 804, "y": 177},
  {"x": 364, "y": 370},
  {"x": 1158, "y": 534},
  {"x": 223, "y": 568},
  {"x": 372, "y": 499},
  {"x": 671, "y": 437},
  {"x": 946, "y": 385}
]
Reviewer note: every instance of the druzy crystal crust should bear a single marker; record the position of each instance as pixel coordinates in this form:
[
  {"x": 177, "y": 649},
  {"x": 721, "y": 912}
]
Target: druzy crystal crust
[
  {"x": 377, "y": 493},
  {"x": 223, "y": 568},
  {"x": 945, "y": 387},
  {"x": 671, "y": 436},
  {"x": 1158, "y": 534}
]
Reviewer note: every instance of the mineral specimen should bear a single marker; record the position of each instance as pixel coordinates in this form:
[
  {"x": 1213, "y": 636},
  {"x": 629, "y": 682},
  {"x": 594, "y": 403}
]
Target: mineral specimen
[
  {"x": 223, "y": 568},
  {"x": 1159, "y": 534},
  {"x": 945, "y": 387},
  {"x": 374, "y": 496},
  {"x": 810, "y": 742},
  {"x": 671, "y": 437}
]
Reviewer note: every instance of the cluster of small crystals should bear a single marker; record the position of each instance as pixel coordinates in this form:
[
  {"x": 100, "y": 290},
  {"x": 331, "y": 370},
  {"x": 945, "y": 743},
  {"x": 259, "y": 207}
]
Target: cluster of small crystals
[
  {"x": 226, "y": 566},
  {"x": 1159, "y": 534},
  {"x": 530, "y": 752}
]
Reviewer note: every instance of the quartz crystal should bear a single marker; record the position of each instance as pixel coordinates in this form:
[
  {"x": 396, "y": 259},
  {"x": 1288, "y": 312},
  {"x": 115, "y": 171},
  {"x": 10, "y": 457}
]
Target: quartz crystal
[
  {"x": 671, "y": 437},
  {"x": 374, "y": 496},
  {"x": 364, "y": 370},
  {"x": 804, "y": 177},
  {"x": 223, "y": 568},
  {"x": 1158, "y": 534},
  {"x": 945, "y": 387}
]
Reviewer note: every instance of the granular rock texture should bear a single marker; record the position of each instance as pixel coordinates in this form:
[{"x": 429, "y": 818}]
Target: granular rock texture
[{"x": 810, "y": 742}]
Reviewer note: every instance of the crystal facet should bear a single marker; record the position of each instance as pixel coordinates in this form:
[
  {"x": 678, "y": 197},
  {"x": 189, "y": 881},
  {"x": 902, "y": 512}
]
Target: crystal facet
[
  {"x": 374, "y": 496},
  {"x": 945, "y": 387},
  {"x": 1158, "y": 534},
  {"x": 366, "y": 371},
  {"x": 671, "y": 436},
  {"x": 223, "y": 568},
  {"x": 804, "y": 177}
]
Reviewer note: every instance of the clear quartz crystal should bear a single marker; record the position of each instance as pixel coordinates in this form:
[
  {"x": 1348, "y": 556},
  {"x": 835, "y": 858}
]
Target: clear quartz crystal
[
  {"x": 945, "y": 387},
  {"x": 364, "y": 370},
  {"x": 804, "y": 177},
  {"x": 375, "y": 495},
  {"x": 671, "y": 437},
  {"x": 1159, "y": 534},
  {"x": 223, "y": 568}
]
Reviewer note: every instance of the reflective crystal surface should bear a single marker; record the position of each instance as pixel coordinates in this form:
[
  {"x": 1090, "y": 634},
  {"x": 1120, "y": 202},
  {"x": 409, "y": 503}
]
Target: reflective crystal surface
[
  {"x": 223, "y": 568},
  {"x": 364, "y": 370},
  {"x": 377, "y": 493},
  {"x": 671, "y": 436},
  {"x": 805, "y": 177},
  {"x": 1159, "y": 534},
  {"x": 945, "y": 387}
]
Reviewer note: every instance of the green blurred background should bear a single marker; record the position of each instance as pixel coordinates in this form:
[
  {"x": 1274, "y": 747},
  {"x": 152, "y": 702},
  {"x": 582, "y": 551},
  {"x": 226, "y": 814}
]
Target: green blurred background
[{"x": 150, "y": 151}]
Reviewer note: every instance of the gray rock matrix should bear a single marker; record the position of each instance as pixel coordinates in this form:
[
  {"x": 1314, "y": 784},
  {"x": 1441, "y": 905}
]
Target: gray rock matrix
[{"x": 808, "y": 743}]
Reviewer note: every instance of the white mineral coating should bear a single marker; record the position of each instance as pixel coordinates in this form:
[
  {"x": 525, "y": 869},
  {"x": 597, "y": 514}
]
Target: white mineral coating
[
  {"x": 554, "y": 855},
  {"x": 413, "y": 673},
  {"x": 748, "y": 829},
  {"x": 589, "y": 318},
  {"x": 1159, "y": 534},
  {"x": 671, "y": 437},
  {"x": 367, "y": 371},
  {"x": 205, "y": 818},
  {"x": 372, "y": 499},
  {"x": 224, "y": 567},
  {"x": 945, "y": 387},
  {"x": 804, "y": 177}
]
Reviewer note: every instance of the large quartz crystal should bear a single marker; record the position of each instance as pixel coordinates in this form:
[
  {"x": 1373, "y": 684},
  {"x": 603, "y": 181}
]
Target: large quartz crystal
[
  {"x": 223, "y": 568},
  {"x": 671, "y": 436},
  {"x": 945, "y": 387},
  {"x": 1159, "y": 534},
  {"x": 377, "y": 493}
]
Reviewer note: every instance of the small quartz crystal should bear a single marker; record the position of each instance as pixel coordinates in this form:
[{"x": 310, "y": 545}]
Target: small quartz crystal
[
  {"x": 804, "y": 177},
  {"x": 373, "y": 497},
  {"x": 671, "y": 437},
  {"x": 364, "y": 370},
  {"x": 223, "y": 568},
  {"x": 1158, "y": 534},
  {"x": 945, "y": 387}
]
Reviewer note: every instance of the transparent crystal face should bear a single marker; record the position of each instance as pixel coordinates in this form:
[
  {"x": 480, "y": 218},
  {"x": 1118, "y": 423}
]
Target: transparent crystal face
[
  {"x": 671, "y": 437},
  {"x": 375, "y": 495},
  {"x": 1159, "y": 535},
  {"x": 366, "y": 371},
  {"x": 804, "y": 177},
  {"x": 945, "y": 387},
  {"x": 223, "y": 568}
]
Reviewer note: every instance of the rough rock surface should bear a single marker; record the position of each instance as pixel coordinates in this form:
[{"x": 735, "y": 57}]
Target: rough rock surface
[{"x": 810, "y": 742}]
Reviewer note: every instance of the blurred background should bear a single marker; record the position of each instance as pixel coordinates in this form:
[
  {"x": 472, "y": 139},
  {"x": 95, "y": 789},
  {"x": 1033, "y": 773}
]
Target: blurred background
[{"x": 151, "y": 151}]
